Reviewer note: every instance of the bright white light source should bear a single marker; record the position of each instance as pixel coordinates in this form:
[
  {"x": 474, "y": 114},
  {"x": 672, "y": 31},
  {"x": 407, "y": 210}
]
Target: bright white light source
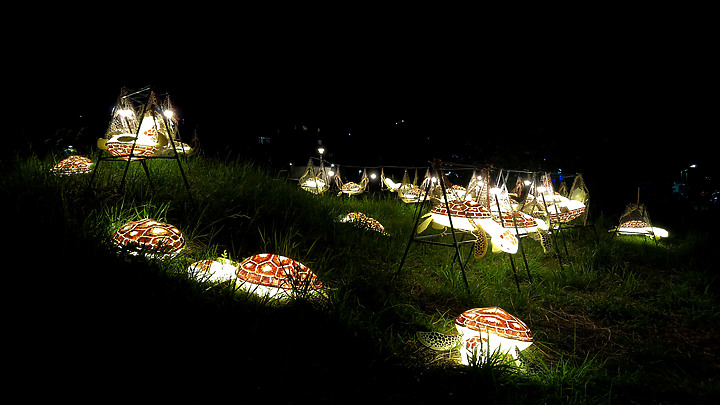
[
  {"x": 373, "y": 176},
  {"x": 168, "y": 113},
  {"x": 331, "y": 173},
  {"x": 126, "y": 113}
]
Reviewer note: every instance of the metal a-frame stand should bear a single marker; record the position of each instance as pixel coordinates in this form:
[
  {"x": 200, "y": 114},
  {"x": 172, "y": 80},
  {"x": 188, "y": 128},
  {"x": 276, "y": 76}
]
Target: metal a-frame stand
[
  {"x": 585, "y": 215},
  {"x": 151, "y": 105},
  {"x": 436, "y": 165}
]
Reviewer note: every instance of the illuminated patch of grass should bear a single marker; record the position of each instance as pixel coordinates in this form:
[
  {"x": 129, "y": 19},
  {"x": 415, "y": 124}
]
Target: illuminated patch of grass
[{"x": 601, "y": 316}]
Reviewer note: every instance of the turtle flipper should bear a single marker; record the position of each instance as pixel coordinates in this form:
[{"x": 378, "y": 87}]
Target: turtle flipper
[
  {"x": 481, "y": 245},
  {"x": 438, "y": 341},
  {"x": 545, "y": 240}
]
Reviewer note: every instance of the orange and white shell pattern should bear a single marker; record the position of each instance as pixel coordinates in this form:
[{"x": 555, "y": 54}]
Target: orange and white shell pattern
[
  {"x": 277, "y": 271},
  {"x": 494, "y": 320},
  {"x": 364, "y": 221},
  {"x": 72, "y": 165},
  {"x": 149, "y": 234}
]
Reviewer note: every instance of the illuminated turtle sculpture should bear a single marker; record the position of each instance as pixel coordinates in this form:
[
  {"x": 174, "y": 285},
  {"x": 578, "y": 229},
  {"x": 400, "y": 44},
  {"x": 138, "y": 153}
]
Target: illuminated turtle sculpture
[
  {"x": 485, "y": 331},
  {"x": 142, "y": 130},
  {"x": 411, "y": 194},
  {"x": 72, "y": 165},
  {"x": 564, "y": 209},
  {"x": 364, "y": 221},
  {"x": 276, "y": 276},
  {"x": 351, "y": 188},
  {"x": 524, "y": 223},
  {"x": 213, "y": 270},
  {"x": 636, "y": 221},
  {"x": 472, "y": 217},
  {"x": 150, "y": 237}
]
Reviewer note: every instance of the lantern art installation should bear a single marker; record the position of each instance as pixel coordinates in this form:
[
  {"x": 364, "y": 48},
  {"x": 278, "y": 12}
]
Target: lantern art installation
[
  {"x": 276, "y": 276},
  {"x": 470, "y": 216},
  {"x": 72, "y": 165},
  {"x": 152, "y": 238},
  {"x": 636, "y": 221},
  {"x": 213, "y": 270},
  {"x": 142, "y": 127},
  {"x": 364, "y": 221},
  {"x": 312, "y": 182},
  {"x": 486, "y": 331}
]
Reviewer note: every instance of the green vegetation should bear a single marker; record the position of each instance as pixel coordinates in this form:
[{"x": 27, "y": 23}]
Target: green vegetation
[{"x": 618, "y": 320}]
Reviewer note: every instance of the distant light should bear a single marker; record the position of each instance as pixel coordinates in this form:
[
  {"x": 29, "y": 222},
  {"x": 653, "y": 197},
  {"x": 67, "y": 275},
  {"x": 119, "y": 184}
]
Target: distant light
[
  {"x": 331, "y": 173},
  {"x": 527, "y": 182},
  {"x": 168, "y": 113},
  {"x": 373, "y": 176},
  {"x": 349, "y": 134},
  {"x": 321, "y": 150},
  {"x": 693, "y": 166},
  {"x": 126, "y": 113}
]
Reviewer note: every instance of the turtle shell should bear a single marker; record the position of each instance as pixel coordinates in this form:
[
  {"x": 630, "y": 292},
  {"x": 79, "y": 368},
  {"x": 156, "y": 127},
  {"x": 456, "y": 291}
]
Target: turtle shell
[
  {"x": 350, "y": 187},
  {"x": 149, "y": 234},
  {"x": 364, "y": 221},
  {"x": 496, "y": 321},
  {"x": 634, "y": 224},
  {"x": 277, "y": 271},
  {"x": 72, "y": 165},
  {"x": 122, "y": 150},
  {"x": 463, "y": 208},
  {"x": 510, "y": 219}
]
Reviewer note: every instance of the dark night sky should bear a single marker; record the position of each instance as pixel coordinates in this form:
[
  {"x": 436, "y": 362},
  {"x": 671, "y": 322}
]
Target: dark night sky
[{"x": 638, "y": 100}]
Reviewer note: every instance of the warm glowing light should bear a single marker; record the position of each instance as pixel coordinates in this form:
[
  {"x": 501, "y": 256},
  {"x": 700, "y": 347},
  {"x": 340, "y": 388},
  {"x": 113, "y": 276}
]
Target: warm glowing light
[
  {"x": 126, "y": 113},
  {"x": 486, "y": 331},
  {"x": 470, "y": 215},
  {"x": 321, "y": 150},
  {"x": 152, "y": 238},
  {"x": 364, "y": 221},
  {"x": 212, "y": 270},
  {"x": 276, "y": 276},
  {"x": 72, "y": 165},
  {"x": 168, "y": 113}
]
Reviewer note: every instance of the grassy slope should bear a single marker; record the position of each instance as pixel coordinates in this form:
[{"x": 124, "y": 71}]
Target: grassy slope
[{"x": 618, "y": 319}]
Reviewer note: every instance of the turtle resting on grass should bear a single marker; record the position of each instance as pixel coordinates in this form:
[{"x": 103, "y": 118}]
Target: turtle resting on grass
[{"x": 364, "y": 221}]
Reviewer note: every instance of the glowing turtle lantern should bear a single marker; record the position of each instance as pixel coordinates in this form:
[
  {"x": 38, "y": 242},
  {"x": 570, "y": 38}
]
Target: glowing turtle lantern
[
  {"x": 142, "y": 127},
  {"x": 212, "y": 270},
  {"x": 565, "y": 210},
  {"x": 411, "y": 194},
  {"x": 524, "y": 223},
  {"x": 364, "y": 221},
  {"x": 72, "y": 165},
  {"x": 488, "y": 330},
  {"x": 276, "y": 276},
  {"x": 150, "y": 237},
  {"x": 351, "y": 188},
  {"x": 471, "y": 216},
  {"x": 636, "y": 221}
]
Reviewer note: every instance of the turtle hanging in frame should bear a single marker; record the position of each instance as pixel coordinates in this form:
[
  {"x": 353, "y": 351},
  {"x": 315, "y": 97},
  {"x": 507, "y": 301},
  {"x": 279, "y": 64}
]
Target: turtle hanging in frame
[{"x": 471, "y": 216}]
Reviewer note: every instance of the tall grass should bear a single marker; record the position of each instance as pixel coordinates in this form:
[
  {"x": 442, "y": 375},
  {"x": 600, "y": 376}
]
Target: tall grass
[{"x": 600, "y": 316}]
